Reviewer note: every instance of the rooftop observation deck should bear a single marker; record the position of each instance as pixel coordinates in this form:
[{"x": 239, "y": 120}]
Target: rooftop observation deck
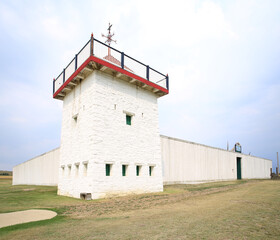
[{"x": 96, "y": 55}]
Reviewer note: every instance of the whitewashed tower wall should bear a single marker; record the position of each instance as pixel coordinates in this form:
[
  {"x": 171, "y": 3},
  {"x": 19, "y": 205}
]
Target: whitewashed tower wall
[{"x": 99, "y": 135}]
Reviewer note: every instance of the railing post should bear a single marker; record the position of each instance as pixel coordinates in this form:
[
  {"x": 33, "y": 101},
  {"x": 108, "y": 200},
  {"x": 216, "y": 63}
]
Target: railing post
[
  {"x": 63, "y": 75},
  {"x": 53, "y": 85},
  {"x": 148, "y": 73},
  {"x": 122, "y": 60},
  {"x": 167, "y": 82},
  {"x": 76, "y": 62},
  {"x": 91, "y": 45}
]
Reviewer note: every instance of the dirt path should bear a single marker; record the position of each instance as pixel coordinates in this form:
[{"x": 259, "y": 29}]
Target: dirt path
[{"x": 13, "y": 218}]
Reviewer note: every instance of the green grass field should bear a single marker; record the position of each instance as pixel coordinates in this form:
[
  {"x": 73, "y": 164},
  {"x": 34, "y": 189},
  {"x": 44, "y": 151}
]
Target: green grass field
[{"x": 223, "y": 210}]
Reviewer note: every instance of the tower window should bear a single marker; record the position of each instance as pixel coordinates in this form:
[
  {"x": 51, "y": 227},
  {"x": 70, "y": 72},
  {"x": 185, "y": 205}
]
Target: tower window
[
  {"x": 151, "y": 170},
  {"x": 108, "y": 169},
  {"x": 85, "y": 164},
  {"x": 69, "y": 171},
  {"x": 124, "y": 168},
  {"x": 62, "y": 167},
  {"x": 128, "y": 119},
  {"x": 138, "y": 170},
  {"x": 77, "y": 169},
  {"x": 75, "y": 117}
]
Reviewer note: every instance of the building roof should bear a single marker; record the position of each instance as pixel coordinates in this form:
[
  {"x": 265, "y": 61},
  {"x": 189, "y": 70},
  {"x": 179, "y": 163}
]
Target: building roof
[{"x": 91, "y": 57}]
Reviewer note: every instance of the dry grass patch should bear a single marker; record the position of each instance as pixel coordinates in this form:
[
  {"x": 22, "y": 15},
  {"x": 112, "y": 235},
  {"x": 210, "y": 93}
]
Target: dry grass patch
[
  {"x": 225, "y": 210},
  {"x": 171, "y": 194},
  {"x": 6, "y": 177}
]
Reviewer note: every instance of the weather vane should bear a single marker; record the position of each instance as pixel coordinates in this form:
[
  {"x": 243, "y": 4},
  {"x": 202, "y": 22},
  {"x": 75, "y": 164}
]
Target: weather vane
[{"x": 109, "y": 35}]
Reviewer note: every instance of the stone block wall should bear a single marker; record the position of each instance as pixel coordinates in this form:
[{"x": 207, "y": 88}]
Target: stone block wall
[{"x": 95, "y": 133}]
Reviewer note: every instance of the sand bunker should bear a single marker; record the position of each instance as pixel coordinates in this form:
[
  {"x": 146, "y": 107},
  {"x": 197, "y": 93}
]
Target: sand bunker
[{"x": 32, "y": 215}]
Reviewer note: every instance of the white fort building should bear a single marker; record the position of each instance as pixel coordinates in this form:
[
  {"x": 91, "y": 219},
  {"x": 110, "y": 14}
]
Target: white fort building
[{"x": 110, "y": 140}]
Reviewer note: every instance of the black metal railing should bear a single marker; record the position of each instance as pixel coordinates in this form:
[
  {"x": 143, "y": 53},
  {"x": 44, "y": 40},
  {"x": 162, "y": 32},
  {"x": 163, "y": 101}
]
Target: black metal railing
[{"x": 107, "y": 53}]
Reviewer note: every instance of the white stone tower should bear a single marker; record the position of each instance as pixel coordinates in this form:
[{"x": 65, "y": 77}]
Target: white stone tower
[{"x": 110, "y": 143}]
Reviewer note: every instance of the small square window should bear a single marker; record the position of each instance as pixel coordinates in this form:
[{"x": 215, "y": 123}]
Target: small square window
[
  {"x": 138, "y": 170},
  {"x": 63, "y": 170},
  {"x": 69, "y": 171},
  {"x": 75, "y": 117},
  {"x": 85, "y": 169},
  {"x": 151, "y": 170},
  {"x": 124, "y": 168},
  {"x": 77, "y": 170},
  {"x": 108, "y": 169},
  {"x": 128, "y": 119}
]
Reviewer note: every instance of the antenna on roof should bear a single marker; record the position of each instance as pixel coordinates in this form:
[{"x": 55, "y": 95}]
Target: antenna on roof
[{"x": 109, "y": 38}]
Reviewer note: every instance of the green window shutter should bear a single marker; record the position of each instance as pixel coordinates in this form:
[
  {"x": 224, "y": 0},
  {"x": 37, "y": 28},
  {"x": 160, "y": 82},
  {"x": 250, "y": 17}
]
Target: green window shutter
[
  {"x": 108, "y": 168},
  {"x": 150, "y": 170},
  {"x": 124, "y": 170},
  {"x": 137, "y": 170},
  {"x": 128, "y": 120}
]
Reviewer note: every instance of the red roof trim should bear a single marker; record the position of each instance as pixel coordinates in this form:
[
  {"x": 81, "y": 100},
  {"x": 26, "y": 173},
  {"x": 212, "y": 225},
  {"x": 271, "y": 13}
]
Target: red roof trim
[
  {"x": 112, "y": 66},
  {"x": 123, "y": 71},
  {"x": 71, "y": 77}
]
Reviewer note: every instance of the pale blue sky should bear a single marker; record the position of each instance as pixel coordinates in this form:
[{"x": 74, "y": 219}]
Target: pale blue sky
[{"x": 223, "y": 59}]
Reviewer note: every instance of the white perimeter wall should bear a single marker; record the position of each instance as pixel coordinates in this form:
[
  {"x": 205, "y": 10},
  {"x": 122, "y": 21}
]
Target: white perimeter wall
[
  {"x": 183, "y": 162},
  {"x": 41, "y": 170},
  {"x": 187, "y": 162}
]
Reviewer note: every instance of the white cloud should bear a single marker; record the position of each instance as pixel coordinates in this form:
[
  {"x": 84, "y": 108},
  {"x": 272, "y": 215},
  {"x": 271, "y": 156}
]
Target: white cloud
[
  {"x": 52, "y": 27},
  {"x": 39, "y": 22},
  {"x": 181, "y": 23},
  {"x": 218, "y": 56},
  {"x": 28, "y": 106}
]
